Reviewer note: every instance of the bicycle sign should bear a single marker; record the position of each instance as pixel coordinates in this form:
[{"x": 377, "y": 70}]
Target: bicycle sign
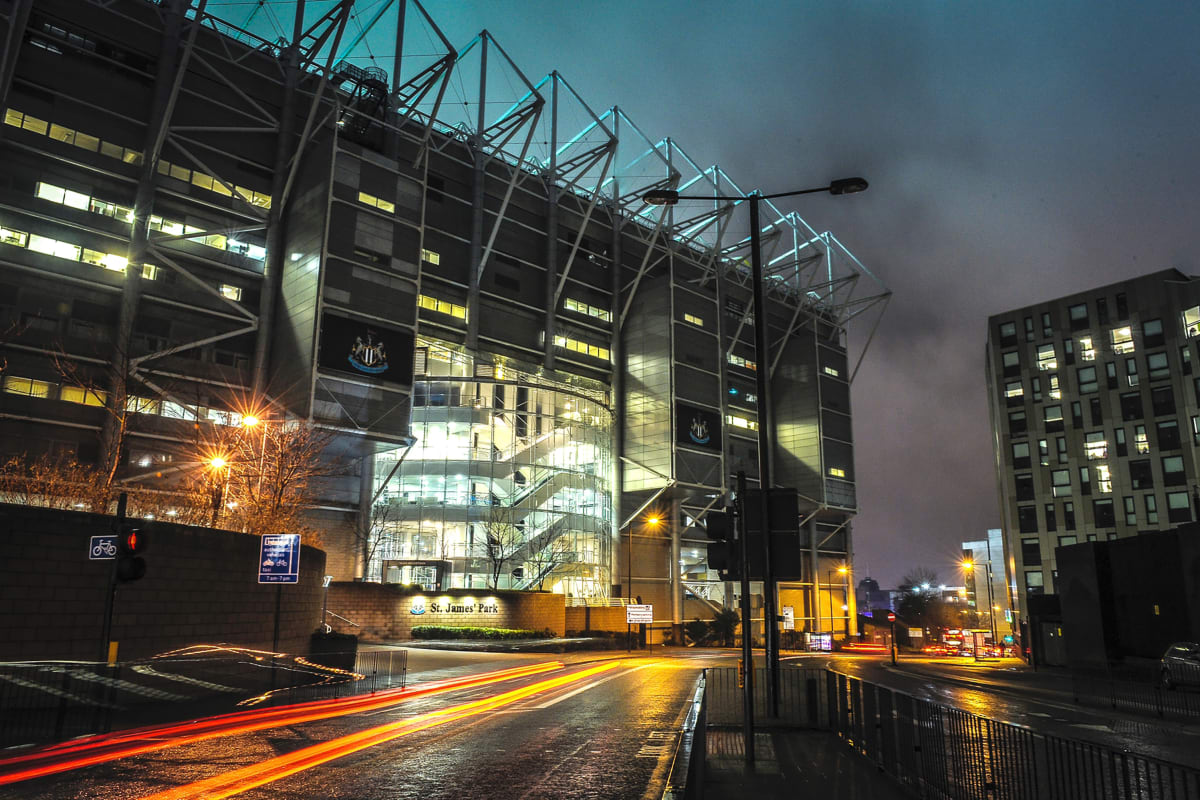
[{"x": 102, "y": 548}]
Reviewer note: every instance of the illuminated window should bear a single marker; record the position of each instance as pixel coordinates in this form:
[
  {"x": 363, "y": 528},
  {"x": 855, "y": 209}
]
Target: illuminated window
[
  {"x": 693, "y": 319},
  {"x": 1191, "y": 322},
  {"x": 738, "y": 361},
  {"x": 1141, "y": 443},
  {"x": 48, "y": 191},
  {"x": 1086, "y": 351},
  {"x": 87, "y": 397},
  {"x": 1014, "y": 389},
  {"x": 431, "y": 257},
  {"x": 741, "y": 422},
  {"x": 1122, "y": 340},
  {"x": 142, "y": 405},
  {"x": 1087, "y": 380},
  {"x": 373, "y": 201},
  {"x": 441, "y": 306},
  {"x": 14, "y": 237},
  {"x": 837, "y": 472},
  {"x": 580, "y": 307},
  {"x": 231, "y": 292},
  {"x": 1096, "y": 446},
  {"x": 577, "y": 346},
  {"x": 1046, "y": 357},
  {"x": 1060, "y": 481},
  {"x": 835, "y": 373},
  {"x": 26, "y": 386}
]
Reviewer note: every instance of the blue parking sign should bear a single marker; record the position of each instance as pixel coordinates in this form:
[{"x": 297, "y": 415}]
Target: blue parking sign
[{"x": 279, "y": 558}]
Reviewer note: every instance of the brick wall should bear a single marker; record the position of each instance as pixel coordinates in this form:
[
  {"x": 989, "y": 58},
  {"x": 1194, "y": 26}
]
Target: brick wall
[
  {"x": 384, "y": 612},
  {"x": 201, "y": 586},
  {"x": 599, "y": 618}
]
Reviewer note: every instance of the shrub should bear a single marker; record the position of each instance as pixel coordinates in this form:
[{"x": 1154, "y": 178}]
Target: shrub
[{"x": 470, "y": 632}]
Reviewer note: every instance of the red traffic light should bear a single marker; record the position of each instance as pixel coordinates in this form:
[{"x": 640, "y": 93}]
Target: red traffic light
[{"x": 131, "y": 541}]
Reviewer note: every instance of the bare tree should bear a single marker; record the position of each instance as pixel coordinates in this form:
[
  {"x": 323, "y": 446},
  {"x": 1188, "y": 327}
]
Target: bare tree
[
  {"x": 50, "y": 482},
  {"x": 373, "y": 534},
  {"x": 501, "y": 543},
  {"x": 549, "y": 558}
]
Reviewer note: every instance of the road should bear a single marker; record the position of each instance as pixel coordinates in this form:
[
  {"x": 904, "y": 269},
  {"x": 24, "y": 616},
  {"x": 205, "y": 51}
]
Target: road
[{"x": 601, "y": 727}]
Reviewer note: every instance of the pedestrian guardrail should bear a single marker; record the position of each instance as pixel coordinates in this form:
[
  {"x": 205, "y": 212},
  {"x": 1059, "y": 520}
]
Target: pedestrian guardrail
[{"x": 1141, "y": 690}]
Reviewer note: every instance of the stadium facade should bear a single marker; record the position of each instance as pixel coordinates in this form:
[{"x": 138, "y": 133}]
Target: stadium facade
[{"x": 447, "y": 264}]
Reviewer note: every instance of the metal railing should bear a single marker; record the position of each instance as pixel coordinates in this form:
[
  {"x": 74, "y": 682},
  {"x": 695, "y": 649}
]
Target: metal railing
[
  {"x": 1141, "y": 689},
  {"x": 53, "y": 701}
]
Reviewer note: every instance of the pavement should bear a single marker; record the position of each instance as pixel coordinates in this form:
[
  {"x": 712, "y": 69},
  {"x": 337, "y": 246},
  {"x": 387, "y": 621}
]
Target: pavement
[{"x": 789, "y": 764}]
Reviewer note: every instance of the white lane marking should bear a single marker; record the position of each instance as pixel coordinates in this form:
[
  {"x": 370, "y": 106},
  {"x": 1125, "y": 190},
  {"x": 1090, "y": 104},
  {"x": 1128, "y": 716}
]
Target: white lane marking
[{"x": 591, "y": 685}]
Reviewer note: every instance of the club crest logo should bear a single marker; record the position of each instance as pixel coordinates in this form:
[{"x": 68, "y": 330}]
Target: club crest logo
[
  {"x": 699, "y": 430},
  {"x": 369, "y": 356}
]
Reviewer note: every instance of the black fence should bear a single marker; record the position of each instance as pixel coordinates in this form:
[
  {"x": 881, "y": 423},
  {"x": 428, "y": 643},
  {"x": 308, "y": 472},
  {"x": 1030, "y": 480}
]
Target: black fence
[
  {"x": 1145, "y": 690},
  {"x": 43, "y": 702},
  {"x": 946, "y": 753},
  {"x": 802, "y": 703}
]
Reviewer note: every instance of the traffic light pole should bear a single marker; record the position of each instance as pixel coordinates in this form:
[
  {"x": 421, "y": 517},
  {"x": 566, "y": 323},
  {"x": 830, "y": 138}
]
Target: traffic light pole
[
  {"x": 111, "y": 594},
  {"x": 747, "y": 650}
]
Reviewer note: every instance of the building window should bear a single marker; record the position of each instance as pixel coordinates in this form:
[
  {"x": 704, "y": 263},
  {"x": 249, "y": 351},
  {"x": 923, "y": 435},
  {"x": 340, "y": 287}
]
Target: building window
[
  {"x": 1152, "y": 332},
  {"x": 1097, "y": 416},
  {"x": 14, "y": 238},
  {"x": 1031, "y": 552},
  {"x": 1168, "y": 435},
  {"x": 1119, "y": 438},
  {"x": 834, "y": 373},
  {"x": 1069, "y": 515},
  {"x": 1044, "y": 452},
  {"x": 445, "y": 307},
  {"x": 1103, "y": 511},
  {"x": 376, "y": 202},
  {"x": 1110, "y": 374},
  {"x": 1012, "y": 363},
  {"x": 1047, "y": 360},
  {"x": 580, "y": 307},
  {"x": 1191, "y": 322},
  {"x": 837, "y": 472},
  {"x": 1069, "y": 351},
  {"x": 1060, "y": 443},
  {"x": 1178, "y": 507},
  {"x": 1047, "y": 328},
  {"x": 1086, "y": 351},
  {"x": 1140, "y": 475},
  {"x": 1036, "y": 387},
  {"x": 1053, "y": 418},
  {"x": 1060, "y": 480},
  {"x": 1130, "y": 512},
  {"x": 1151, "y": 503},
  {"x": 231, "y": 292},
  {"x": 1078, "y": 314},
  {"x": 1157, "y": 366},
  {"x": 1054, "y": 392},
  {"x": 1096, "y": 446},
  {"x": 1016, "y": 423},
  {"x": 1122, "y": 339},
  {"x": 1173, "y": 475},
  {"x": 1141, "y": 442},
  {"x": 1087, "y": 380},
  {"x": 1076, "y": 414},
  {"x": 1014, "y": 392},
  {"x": 1008, "y": 333},
  {"x": 1122, "y": 307},
  {"x": 1131, "y": 406},
  {"x": 1162, "y": 400},
  {"x": 1029, "y": 329},
  {"x": 1024, "y": 486},
  {"x": 1051, "y": 523},
  {"x": 1027, "y": 519},
  {"x": 1020, "y": 454},
  {"x": 1196, "y": 431},
  {"x": 577, "y": 346},
  {"x": 741, "y": 422},
  {"x": 1033, "y": 582},
  {"x": 1131, "y": 372},
  {"x": 431, "y": 257},
  {"x": 1067, "y": 541},
  {"x": 699, "y": 323},
  {"x": 1103, "y": 479},
  {"x": 1085, "y": 481},
  {"x": 87, "y": 397},
  {"x": 26, "y": 386},
  {"x": 738, "y": 361}
]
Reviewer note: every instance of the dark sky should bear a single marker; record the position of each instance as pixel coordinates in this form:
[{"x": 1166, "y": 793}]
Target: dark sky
[{"x": 1017, "y": 151}]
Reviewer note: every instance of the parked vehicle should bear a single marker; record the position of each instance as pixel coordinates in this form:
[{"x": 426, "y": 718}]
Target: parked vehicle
[{"x": 1180, "y": 666}]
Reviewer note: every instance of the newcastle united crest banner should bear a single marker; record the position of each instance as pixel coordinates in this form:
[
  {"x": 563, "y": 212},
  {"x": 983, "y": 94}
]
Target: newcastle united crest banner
[
  {"x": 697, "y": 427},
  {"x": 366, "y": 349}
]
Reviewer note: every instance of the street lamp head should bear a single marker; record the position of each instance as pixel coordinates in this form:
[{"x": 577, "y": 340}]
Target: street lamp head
[
  {"x": 968, "y": 565},
  {"x": 661, "y": 197},
  {"x": 848, "y": 186},
  {"x": 250, "y": 420},
  {"x": 218, "y": 462},
  {"x": 843, "y": 570},
  {"x": 652, "y": 521}
]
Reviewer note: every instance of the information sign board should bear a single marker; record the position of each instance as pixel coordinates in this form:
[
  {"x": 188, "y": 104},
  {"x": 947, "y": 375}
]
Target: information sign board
[
  {"x": 279, "y": 558},
  {"x": 636, "y": 614}
]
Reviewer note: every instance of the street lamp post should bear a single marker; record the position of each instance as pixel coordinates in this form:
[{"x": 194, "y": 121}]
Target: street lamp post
[
  {"x": 669, "y": 197},
  {"x": 843, "y": 571}
]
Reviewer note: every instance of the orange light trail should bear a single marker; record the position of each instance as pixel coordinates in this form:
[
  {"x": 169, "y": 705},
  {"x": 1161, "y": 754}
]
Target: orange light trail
[
  {"x": 258, "y": 774},
  {"x": 101, "y": 749}
]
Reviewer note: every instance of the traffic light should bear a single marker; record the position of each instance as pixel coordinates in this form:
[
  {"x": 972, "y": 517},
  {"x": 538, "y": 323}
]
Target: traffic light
[
  {"x": 131, "y": 543},
  {"x": 723, "y": 553}
]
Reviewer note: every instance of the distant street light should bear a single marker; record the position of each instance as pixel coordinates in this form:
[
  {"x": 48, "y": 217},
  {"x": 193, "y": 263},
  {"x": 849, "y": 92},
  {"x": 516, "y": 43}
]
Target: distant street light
[{"x": 669, "y": 197}]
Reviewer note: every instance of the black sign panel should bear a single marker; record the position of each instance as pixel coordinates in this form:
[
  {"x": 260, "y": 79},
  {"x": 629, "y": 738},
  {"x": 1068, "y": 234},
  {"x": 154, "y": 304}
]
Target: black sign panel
[
  {"x": 366, "y": 350},
  {"x": 697, "y": 427},
  {"x": 787, "y": 559}
]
